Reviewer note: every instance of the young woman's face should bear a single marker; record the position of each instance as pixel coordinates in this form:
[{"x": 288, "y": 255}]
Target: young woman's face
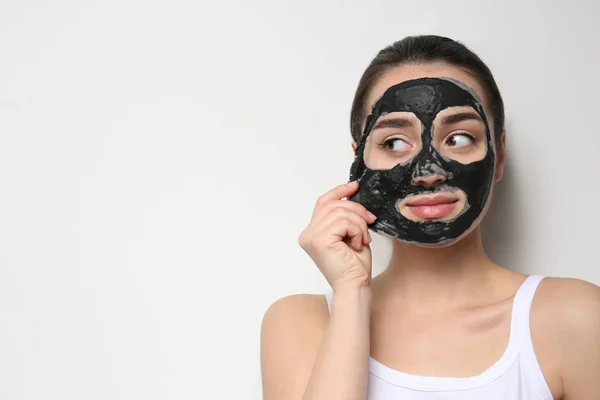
[{"x": 435, "y": 146}]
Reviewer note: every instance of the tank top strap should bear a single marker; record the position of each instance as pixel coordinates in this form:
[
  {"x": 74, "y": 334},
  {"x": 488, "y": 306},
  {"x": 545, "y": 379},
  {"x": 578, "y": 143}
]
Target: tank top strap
[
  {"x": 528, "y": 361},
  {"x": 329, "y": 298},
  {"x": 520, "y": 329}
]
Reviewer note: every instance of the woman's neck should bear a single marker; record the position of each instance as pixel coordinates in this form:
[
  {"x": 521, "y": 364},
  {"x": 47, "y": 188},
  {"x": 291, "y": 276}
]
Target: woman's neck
[{"x": 428, "y": 279}]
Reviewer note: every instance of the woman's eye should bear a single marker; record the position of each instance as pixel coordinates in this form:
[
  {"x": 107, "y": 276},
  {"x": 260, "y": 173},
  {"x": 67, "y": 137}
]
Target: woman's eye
[
  {"x": 396, "y": 145},
  {"x": 460, "y": 140}
]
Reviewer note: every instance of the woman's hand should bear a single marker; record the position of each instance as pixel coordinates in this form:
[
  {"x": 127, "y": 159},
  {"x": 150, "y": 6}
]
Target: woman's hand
[{"x": 337, "y": 238}]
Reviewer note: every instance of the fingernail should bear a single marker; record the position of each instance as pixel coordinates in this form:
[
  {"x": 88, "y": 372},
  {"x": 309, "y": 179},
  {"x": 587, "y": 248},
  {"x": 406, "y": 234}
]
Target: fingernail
[{"x": 371, "y": 215}]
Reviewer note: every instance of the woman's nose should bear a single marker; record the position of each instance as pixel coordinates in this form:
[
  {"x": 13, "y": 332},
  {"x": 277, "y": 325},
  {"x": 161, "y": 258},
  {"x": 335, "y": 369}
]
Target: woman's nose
[{"x": 429, "y": 180}]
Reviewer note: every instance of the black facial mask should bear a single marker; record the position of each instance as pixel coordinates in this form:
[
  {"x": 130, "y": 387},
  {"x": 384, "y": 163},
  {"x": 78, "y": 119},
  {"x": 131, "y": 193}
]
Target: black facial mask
[{"x": 381, "y": 190}]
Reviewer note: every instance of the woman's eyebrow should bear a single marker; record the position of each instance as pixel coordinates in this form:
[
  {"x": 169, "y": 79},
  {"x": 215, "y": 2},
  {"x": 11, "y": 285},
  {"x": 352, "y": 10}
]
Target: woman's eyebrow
[
  {"x": 459, "y": 117},
  {"x": 398, "y": 122}
]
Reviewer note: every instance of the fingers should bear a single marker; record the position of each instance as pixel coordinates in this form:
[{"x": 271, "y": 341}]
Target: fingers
[
  {"x": 337, "y": 220},
  {"x": 338, "y": 192},
  {"x": 343, "y": 224},
  {"x": 352, "y": 233},
  {"x": 326, "y": 208}
]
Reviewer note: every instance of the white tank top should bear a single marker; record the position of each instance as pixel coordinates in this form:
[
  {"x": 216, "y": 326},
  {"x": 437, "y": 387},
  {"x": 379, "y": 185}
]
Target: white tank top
[{"x": 515, "y": 376}]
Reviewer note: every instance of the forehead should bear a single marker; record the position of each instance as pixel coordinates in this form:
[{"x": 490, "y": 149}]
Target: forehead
[
  {"x": 415, "y": 71},
  {"x": 426, "y": 97}
]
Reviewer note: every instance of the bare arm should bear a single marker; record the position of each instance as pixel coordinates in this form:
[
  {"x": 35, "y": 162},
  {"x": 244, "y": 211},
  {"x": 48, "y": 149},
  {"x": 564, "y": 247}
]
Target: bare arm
[
  {"x": 306, "y": 357},
  {"x": 580, "y": 347},
  {"x": 341, "y": 368}
]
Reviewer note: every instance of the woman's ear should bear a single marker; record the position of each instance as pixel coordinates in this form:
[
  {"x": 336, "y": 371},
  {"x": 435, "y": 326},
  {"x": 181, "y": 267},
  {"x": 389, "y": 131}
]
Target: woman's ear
[
  {"x": 354, "y": 146},
  {"x": 500, "y": 157}
]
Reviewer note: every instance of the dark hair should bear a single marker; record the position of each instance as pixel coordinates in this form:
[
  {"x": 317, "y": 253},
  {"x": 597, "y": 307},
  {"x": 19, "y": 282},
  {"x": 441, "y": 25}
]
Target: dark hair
[{"x": 427, "y": 49}]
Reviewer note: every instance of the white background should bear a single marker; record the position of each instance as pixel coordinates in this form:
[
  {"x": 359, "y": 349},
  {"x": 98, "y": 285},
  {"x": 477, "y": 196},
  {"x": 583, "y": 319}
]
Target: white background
[{"x": 159, "y": 159}]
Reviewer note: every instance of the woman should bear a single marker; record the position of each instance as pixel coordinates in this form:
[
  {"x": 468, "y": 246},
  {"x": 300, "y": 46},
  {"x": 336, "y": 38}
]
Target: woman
[{"x": 442, "y": 321}]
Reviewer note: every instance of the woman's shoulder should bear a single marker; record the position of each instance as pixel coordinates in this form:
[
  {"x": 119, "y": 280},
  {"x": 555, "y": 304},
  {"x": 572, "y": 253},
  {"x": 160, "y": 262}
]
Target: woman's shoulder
[
  {"x": 296, "y": 318},
  {"x": 565, "y": 329},
  {"x": 567, "y": 307},
  {"x": 291, "y": 334},
  {"x": 568, "y": 300},
  {"x": 305, "y": 307}
]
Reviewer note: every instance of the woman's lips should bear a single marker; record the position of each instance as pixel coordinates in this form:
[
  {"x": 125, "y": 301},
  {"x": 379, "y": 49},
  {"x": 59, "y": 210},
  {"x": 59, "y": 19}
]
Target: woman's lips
[{"x": 431, "y": 207}]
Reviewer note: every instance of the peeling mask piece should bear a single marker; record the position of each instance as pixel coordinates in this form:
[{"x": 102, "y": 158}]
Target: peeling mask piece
[{"x": 381, "y": 190}]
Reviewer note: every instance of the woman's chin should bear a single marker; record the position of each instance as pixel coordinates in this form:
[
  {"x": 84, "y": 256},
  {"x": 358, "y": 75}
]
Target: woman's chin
[{"x": 443, "y": 243}]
